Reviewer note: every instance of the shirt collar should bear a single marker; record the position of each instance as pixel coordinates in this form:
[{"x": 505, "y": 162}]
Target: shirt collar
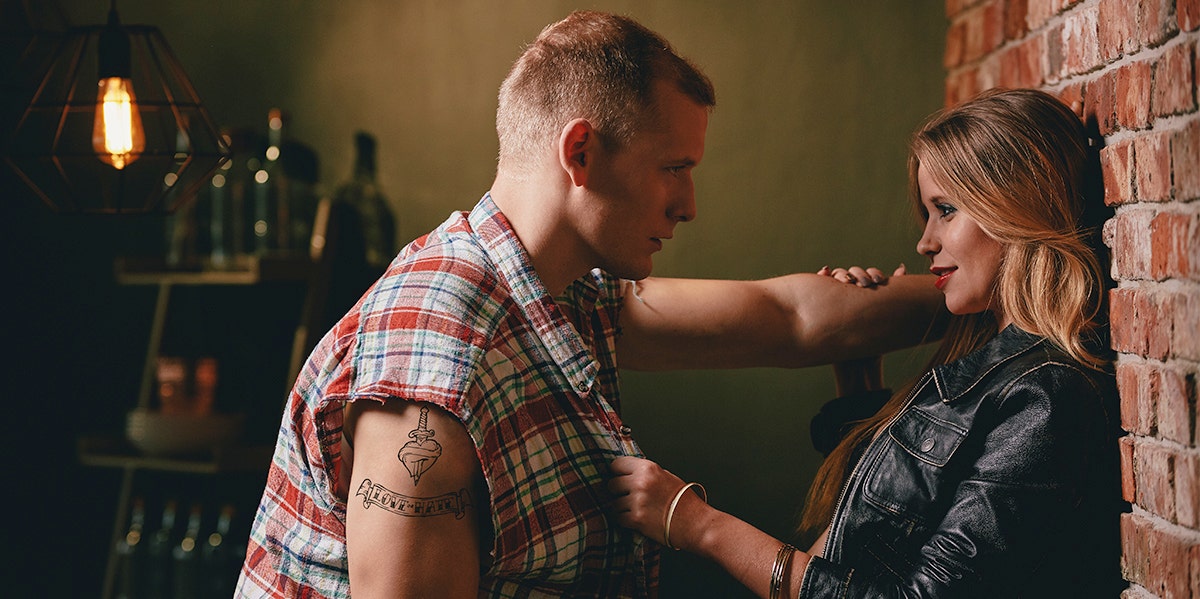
[{"x": 557, "y": 334}]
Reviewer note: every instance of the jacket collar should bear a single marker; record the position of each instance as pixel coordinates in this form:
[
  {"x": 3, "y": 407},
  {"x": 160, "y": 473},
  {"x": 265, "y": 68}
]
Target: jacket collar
[{"x": 960, "y": 376}]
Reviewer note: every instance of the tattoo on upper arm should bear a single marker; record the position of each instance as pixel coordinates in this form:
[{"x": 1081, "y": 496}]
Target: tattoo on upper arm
[
  {"x": 422, "y": 452},
  {"x": 447, "y": 503}
]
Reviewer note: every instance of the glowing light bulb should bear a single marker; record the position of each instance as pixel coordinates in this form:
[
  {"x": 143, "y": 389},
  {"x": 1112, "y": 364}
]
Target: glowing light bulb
[{"x": 117, "y": 134}]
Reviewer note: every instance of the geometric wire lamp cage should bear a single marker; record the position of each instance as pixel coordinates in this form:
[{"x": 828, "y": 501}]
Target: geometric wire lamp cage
[{"x": 115, "y": 127}]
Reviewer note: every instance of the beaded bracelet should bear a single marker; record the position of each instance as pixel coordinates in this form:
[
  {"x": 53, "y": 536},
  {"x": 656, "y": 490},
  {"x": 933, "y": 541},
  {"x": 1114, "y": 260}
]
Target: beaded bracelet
[{"x": 671, "y": 510}]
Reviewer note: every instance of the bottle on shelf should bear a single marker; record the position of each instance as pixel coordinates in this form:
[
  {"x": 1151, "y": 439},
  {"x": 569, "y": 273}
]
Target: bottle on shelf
[
  {"x": 221, "y": 563},
  {"x": 185, "y": 556},
  {"x": 158, "y": 555},
  {"x": 377, "y": 222},
  {"x": 130, "y": 552},
  {"x": 265, "y": 204}
]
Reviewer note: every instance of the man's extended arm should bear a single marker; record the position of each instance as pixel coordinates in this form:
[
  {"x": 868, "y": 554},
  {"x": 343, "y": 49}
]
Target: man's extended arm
[
  {"x": 411, "y": 524},
  {"x": 790, "y": 321}
]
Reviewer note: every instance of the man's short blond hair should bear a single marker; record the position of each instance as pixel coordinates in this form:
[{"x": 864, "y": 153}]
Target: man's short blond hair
[{"x": 590, "y": 65}]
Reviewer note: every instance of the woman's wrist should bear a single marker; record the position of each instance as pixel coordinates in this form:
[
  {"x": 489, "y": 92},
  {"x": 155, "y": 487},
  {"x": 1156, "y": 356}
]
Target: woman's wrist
[{"x": 687, "y": 523}]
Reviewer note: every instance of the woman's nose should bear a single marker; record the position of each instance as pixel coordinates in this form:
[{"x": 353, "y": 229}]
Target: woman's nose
[{"x": 927, "y": 245}]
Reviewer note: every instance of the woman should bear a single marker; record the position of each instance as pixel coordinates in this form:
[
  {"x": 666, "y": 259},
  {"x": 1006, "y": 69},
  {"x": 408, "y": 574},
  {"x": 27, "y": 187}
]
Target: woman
[{"x": 995, "y": 474}]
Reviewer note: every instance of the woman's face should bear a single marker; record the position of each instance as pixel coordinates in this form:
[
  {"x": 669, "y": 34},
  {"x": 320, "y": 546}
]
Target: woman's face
[{"x": 965, "y": 259}]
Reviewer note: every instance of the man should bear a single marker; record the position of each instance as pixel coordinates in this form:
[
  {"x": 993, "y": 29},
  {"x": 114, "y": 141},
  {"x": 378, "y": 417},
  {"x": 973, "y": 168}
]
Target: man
[{"x": 451, "y": 436}]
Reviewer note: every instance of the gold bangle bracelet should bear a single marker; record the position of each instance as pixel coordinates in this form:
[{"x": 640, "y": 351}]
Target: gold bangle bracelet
[
  {"x": 671, "y": 510},
  {"x": 779, "y": 569}
]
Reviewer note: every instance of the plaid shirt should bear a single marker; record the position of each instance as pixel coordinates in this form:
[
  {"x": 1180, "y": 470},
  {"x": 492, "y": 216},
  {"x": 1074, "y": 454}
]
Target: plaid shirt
[{"x": 461, "y": 320}]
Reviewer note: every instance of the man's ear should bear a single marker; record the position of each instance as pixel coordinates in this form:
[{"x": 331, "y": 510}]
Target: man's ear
[{"x": 576, "y": 149}]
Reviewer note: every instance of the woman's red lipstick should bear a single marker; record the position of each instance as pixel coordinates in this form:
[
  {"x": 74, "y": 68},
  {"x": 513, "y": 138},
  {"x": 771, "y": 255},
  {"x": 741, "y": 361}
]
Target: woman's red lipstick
[{"x": 943, "y": 275}]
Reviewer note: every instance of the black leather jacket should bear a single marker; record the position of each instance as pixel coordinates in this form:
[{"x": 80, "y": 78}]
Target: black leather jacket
[{"x": 1000, "y": 478}]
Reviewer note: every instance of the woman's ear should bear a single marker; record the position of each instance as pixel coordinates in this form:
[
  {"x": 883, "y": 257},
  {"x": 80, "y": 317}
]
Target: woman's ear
[{"x": 576, "y": 148}]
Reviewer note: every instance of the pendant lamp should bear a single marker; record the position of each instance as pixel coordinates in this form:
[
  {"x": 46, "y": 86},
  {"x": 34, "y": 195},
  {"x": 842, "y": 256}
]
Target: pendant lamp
[{"x": 114, "y": 126}]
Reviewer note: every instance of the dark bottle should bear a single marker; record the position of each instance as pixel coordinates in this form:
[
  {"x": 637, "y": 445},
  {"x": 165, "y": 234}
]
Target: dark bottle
[
  {"x": 376, "y": 221},
  {"x": 221, "y": 563},
  {"x": 186, "y": 558},
  {"x": 158, "y": 556},
  {"x": 130, "y": 552},
  {"x": 264, "y": 200}
]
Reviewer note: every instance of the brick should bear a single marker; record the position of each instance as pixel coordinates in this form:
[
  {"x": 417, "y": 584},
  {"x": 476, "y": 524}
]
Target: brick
[
  {"x": 1170, "y": 553},
  {"x": 1187, "y": 13},
  {"x": 984, "y": 30},
  {"x": 1187, "y": 489},
  {"x": 1142, "y": 321},
  {"x": 1125, "y": 322},
  {"x": 1185, "y": 155},
  {"x": 953, "y": 7},
  {"x": 1174, "y": 401},
  {"x": 1054, "y": 53},
  {"x": 1118, "y": 24},
  {"x": 1132, "y": 95},
  {"x": 1128, "y": 235},
  {"x": 1080, "y": 43},
  {"x": 988, "y": 75},
  {"x": 1195, "y": 566},
  {"x": 1174, "y": 89},
  {"x": 1185, "y": 342},
  {"x": 993, "y": 25},
  {"x": 1100, "y": 102},
  {"x": 1038, "y": 12},
  {"x": 1137, "y": 385},
  {"x": 1152, "y": 167},
  {"x": 961, "y": 85},
  {"x": 1021, "y": 64},
  {"x": 1016, "y": 23},
  {"x": 1157, "y": 21},
  {"x": 1159, "y": 311},
  {"x": 1128, "y": 489},
  {"x": 1135, "y": 553},
  {"x": 1072, "y": 95},
  {"x": 1171, "y": 244},
  {"x": 952, "y": 56},
  {"x": 1153, "y": 472}
]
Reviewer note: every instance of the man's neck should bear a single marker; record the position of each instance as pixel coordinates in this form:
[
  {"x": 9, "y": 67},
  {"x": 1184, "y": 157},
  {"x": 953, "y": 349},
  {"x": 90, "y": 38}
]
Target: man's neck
[{"x": 535, "y": 207}]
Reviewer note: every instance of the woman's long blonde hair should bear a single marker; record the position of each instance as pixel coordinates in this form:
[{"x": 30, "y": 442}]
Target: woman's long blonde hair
[{"x": 1020, "y": 164}]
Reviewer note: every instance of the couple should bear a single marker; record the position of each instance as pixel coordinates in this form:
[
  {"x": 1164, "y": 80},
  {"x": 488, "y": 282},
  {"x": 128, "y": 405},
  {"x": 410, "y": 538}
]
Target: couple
[{"x": 457, "y": 433}]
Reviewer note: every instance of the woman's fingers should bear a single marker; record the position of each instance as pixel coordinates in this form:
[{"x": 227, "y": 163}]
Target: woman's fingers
[{"x": 857, "y": 275}]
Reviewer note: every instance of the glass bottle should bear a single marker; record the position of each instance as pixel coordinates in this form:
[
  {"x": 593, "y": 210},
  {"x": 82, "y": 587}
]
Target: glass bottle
[
  {"x": 221, "y": 564},
  {"x": 158, "y": 555},
  {"x": 130, "y": 552},
  {"x": 185, "y": 554},
  {"x": 376, "y": 220}
]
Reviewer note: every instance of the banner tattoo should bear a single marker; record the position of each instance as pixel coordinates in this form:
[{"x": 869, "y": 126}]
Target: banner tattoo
[{"x": 450, "y": 503}]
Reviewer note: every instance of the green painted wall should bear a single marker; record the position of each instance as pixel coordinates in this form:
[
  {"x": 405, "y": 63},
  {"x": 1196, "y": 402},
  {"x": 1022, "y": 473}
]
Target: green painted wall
[{"x": 805, "y": 167}]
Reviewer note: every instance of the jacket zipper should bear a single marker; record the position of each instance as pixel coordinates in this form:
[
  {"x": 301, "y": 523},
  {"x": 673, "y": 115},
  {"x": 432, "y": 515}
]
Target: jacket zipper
[{"x": 837, "y": 508}]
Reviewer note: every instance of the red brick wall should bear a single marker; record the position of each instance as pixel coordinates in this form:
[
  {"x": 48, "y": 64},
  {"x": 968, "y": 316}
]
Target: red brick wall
[{"x": 1132, "y": 67}]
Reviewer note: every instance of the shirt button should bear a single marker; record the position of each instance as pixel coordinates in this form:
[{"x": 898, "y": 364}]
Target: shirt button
[
  {"x": 927, "y": 445},
  {"x": 625, "y": 430}
]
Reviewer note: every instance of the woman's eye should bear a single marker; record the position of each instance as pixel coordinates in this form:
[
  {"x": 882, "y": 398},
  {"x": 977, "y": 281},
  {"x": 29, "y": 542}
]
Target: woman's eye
[{"x": 945, "y": 209}]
